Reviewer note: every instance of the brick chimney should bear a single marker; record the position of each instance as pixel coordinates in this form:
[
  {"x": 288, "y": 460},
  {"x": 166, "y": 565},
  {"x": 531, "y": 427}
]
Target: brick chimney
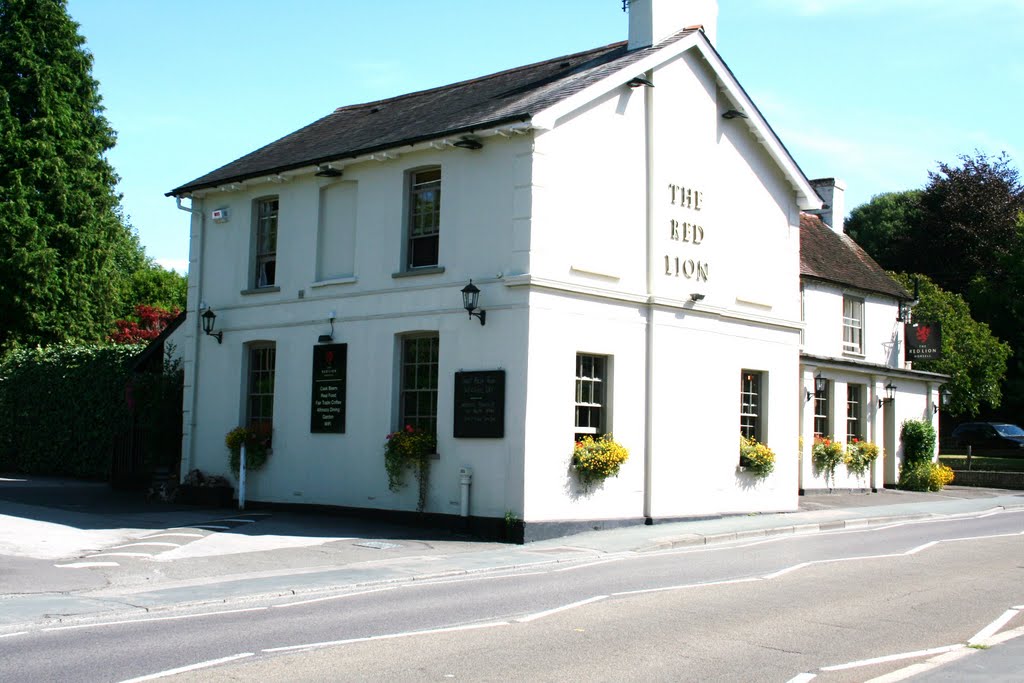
[
  {"x": 651, "y": 21},
  {"x": 831, "y": 191}
]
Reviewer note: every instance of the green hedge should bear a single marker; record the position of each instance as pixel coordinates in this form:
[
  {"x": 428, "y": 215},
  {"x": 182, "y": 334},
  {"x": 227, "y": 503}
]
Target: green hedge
[
  {"x": 62, "y": 407},
  {"x": 918, "y": 439}
]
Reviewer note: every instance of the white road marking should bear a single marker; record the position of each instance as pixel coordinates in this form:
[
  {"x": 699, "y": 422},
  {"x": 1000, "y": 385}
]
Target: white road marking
[
  {"x": 893, "y": 658},
  {"x": 334, "y": 597},
  {"x": 470, "y": 627},
  {"x": 151, "y": 619},
  {"x": 915, "y": 551},
  {"x": 727, "y": 582},
  {"x": 589, "y": 564},
  {"x": 1005, "y": 636},
  {"x": 467, "y": 579},
  {"x": 191, "y": 667},
  {"x": 922, "y": 667},
  {"x": 802, "y": 678},
  {"x": 994, "y": 627},
  {"x": 211, "y": 527},
  {"x": 556, "y": 610},
  {"x": 246, "y": 521},
  {"x": 160, "y": 543},
  {"x": 187, "y": 535},
  {"x": 11, "y": 635},
  {"x": 787, "y": 570},
  {"x": 121, "y": 555},
  {"x": 87, "y": 565}
]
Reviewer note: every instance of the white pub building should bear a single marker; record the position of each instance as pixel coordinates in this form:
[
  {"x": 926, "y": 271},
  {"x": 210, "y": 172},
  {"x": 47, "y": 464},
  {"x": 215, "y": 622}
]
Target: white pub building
[{"x": 650, "y": 263}]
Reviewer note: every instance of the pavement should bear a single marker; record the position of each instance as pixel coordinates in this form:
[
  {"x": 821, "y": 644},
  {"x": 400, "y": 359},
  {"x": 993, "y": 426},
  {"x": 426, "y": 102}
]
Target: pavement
[{"x": 74, "y": 550}]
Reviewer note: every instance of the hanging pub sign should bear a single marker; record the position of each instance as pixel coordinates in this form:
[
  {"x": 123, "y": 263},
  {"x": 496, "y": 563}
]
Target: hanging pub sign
[
  {"x": 480, "y": 404},
  {"x": 923, "y": 341},
  {"x": 327, "y": 412}
]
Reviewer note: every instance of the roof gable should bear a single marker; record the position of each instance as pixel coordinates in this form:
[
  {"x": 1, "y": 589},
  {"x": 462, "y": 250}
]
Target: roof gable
[
  {"x": 537, "y": 93},
  {"x": 826, "y": 255}
]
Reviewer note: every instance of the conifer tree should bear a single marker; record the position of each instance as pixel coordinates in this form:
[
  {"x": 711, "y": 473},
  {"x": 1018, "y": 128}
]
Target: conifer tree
[{"x": 63, "y": 244}]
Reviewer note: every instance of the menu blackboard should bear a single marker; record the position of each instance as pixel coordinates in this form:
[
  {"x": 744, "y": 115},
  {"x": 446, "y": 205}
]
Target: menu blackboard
[
  {"x": 480, "y": 404},
  {"x": 327, "y": 412}
]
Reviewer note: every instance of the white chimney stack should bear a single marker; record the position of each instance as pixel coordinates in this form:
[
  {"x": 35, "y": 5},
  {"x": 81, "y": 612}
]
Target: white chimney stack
[
  {"x": 651, "y": 21},
  {"x": 831, "y": 191}
]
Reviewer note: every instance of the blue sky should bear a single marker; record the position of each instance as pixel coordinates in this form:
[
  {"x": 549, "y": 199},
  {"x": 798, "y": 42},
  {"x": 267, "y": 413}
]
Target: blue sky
[{"x": 875, "y": 92}]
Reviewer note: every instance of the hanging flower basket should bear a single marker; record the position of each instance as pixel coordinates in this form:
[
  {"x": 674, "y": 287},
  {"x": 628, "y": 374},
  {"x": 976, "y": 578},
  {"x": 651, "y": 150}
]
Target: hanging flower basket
[
  {"x": 756, "y": 457},
  {"x": 597, "y": 459}
]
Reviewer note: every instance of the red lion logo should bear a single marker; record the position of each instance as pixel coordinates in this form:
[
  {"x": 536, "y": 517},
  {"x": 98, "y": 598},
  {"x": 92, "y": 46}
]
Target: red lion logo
[{"x": 923, "y": 332}]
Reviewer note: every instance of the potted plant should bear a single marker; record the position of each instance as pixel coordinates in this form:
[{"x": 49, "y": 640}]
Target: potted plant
[
  {"x": 756, "y": 457},
  {"x": 597, "y": 459},
  {"x": 406, "y": 448},
  {"x": 207, "y": 490}
]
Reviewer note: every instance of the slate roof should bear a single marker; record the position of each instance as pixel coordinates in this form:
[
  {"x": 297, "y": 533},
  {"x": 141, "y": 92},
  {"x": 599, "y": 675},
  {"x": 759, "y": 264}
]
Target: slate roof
[
  {"x": 498, "y": 99},
  {"x": 826, "y": 255}
]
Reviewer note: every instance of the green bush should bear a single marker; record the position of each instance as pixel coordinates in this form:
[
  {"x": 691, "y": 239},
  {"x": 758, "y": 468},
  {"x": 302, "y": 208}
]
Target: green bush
[
  {"x": 924, "y": 476},
  {"x": 61, "y": 408},
  {"x": 918, "y": 439}
]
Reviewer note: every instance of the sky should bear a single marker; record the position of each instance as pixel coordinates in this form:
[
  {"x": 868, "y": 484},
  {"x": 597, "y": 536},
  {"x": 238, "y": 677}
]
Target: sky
[{"x": 875, "y": 92}]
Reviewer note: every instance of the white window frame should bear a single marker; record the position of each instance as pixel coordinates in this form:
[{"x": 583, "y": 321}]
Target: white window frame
[
  {"x": 823, "y": 410},
  {"x": 265, "y": 233},
  {"x": 261, "y": 363},
  {"x": 855, "y": 424},
  {"x": 422, "y": 225},
  {"x": 592, "y": 396},
  {"x": 753, "y": 387},
  {"x": 853, "y": 325},
  {"x": 418, "y": 380}
]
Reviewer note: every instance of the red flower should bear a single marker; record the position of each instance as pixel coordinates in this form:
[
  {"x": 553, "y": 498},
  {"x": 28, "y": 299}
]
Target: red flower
[{"x": 409, "y": 429}]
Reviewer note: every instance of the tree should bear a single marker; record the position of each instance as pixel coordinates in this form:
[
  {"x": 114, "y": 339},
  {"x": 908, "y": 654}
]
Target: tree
[
  {"x": 973, "y": 357},
  {"x": 63, "y": 245},
  {"x": 145, "y": 325},
  {"x": 884, "y": 227}
]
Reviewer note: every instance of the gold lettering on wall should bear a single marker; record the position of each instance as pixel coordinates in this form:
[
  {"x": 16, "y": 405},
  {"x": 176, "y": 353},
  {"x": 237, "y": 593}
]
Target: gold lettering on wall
[{"x": 687, "y": 201}]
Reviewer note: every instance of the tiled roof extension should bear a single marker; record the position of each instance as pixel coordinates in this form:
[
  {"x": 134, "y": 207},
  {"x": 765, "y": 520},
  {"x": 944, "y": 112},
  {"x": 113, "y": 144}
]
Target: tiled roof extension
[{"x": 828, "y": 256}]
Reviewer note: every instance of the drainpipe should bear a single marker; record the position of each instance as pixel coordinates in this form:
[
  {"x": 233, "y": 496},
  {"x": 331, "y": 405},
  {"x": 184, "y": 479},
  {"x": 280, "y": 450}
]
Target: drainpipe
[
  {"x": 197, "y": 277},
  {"x": 465, "y": 479},
  {"x": 649, "y": 334}
]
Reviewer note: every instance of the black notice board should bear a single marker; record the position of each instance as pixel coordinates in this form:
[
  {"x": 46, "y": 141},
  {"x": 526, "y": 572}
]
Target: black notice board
[
  {"x": 327, "y": 412},
  {"x": 480, "y": 404}
]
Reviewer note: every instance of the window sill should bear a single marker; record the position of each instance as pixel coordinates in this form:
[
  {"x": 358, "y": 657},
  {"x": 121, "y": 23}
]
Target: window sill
[
  {"x": 352, "y": 279},
  {"x": 854, "y": 354},
  {"x": 260, "y": 290},
  {"x": 428, "y": 270}
]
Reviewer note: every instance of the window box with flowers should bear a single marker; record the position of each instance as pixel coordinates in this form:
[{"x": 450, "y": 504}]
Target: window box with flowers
[
  {"x": 597, "y": 459},
  {"x": 756, "y": 457},
  {"x": 859, "y": 456},
  {"x": 826, "y": 455},
  {"x": 409, "y": 448}
]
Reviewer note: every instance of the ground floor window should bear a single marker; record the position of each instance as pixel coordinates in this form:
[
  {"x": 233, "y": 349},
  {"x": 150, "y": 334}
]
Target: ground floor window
[
  {"x": 591, "y": 406},
  {"x": 260, "y": 391},
  {"x": 855, "y": 412},
  {"x": 418, "y": 402},
  {"x": 751, "y": 405},
  {"x": 822, "y": 423}
]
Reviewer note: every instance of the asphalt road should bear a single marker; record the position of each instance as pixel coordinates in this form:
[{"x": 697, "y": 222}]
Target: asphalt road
[{"x": 777, "y": 609}]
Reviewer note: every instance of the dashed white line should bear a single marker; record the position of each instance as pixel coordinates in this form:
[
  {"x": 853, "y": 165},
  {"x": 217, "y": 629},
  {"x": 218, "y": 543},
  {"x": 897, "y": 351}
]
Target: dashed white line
[
  {"x": 212, "y": 527},
  {"x": 87, "y": 565},
  {"x": 915, "y": 551},
  {"x": 122, "y": 555},
  {"x": 190, "y": 667},
  {"x": 451, "y": 629},
  {"x": 160, "y": 543},
  {"x": 11, "y": 635},
  {"x": 589, "y": 564},
  {"x": 802, "y": 678},
  {"x": 686, "y": 586},
  {"x": 245, "y": 521},
  {"x": 556, "y": 610}
]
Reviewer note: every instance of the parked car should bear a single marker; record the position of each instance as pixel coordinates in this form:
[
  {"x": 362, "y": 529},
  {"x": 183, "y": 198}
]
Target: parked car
[{"x": 990, "y": 438}]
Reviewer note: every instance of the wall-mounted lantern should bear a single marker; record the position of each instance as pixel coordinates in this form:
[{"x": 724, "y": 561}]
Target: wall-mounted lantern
[
  {"x": 470, "y": 301},
  {"x": 945, "y": 398},
  {"x": 820, "y": 384},
  {"x": 209, "y": 320},
  {"x": 890, "y": 395}
]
